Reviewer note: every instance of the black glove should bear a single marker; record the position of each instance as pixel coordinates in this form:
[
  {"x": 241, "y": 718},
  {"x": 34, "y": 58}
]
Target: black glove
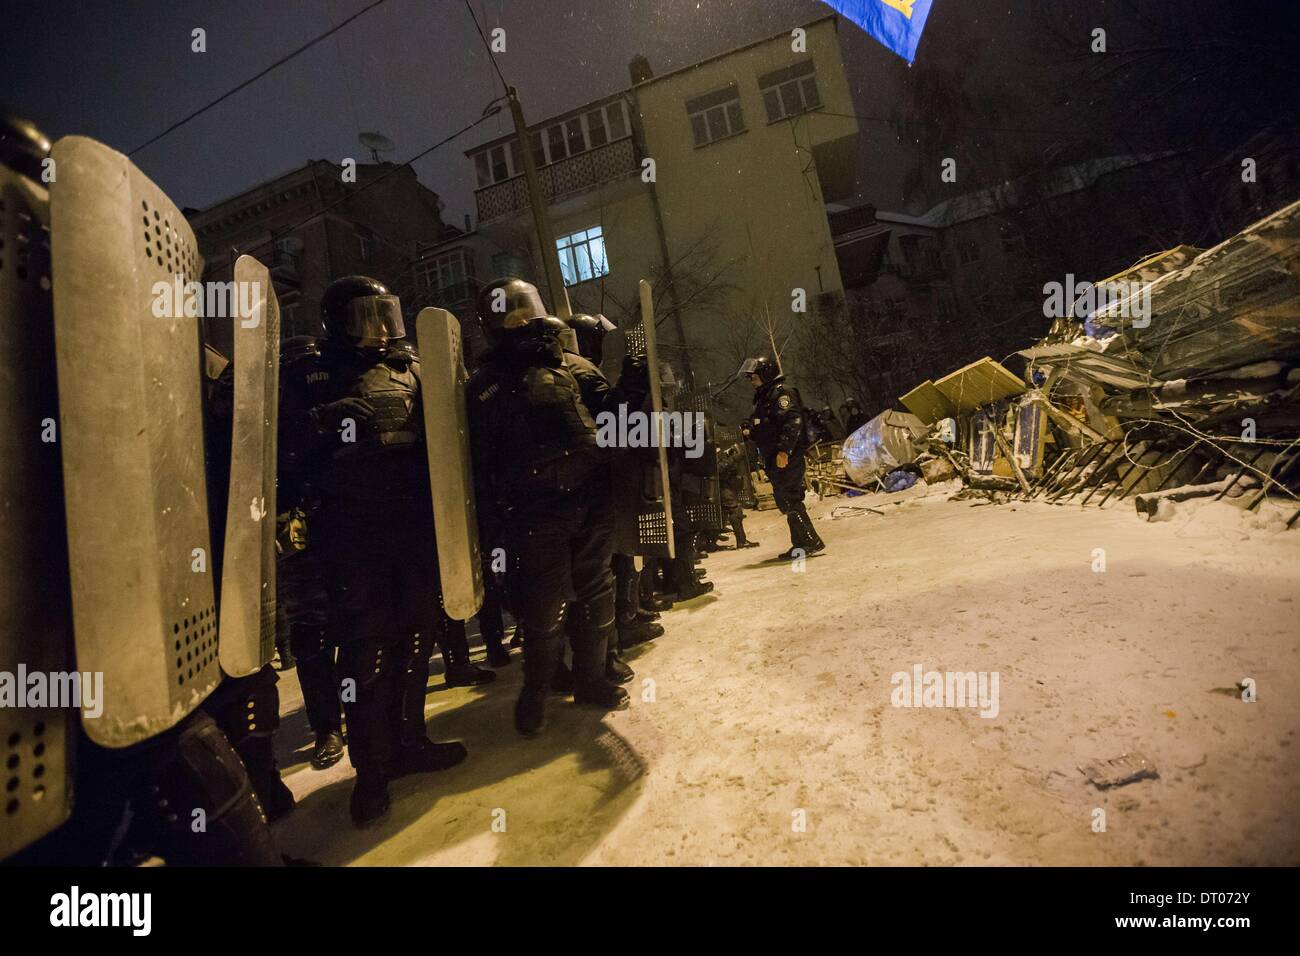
[
  {"x": 329, "y": 417},
  {"x": 635, "y": 377}
]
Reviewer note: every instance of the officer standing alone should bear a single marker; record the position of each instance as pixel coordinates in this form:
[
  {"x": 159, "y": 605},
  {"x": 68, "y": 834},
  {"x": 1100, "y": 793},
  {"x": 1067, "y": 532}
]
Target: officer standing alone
[{"x": 777, "y": 426}]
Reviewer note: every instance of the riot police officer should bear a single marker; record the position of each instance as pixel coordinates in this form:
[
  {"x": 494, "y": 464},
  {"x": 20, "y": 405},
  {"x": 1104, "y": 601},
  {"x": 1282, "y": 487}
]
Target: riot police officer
[
  {"x": 301, "y": 600},
  {"x": 543, "y": 489},
  {"x": 777, "y": 426},
  {"x": 355, "y": 429},
  {"x": 731, "y": 477}
]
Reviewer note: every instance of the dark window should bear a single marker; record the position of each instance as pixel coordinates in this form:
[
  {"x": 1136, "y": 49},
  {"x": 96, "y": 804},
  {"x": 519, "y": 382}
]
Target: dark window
[
  {"x": 596, "y": 128},
  {"x": 715, "y": 115},
  {"x": 617, "y": 123},
  {"x": 555, "y": 140},
  {"x": 573, "y": 131},
  {"x": 500, "y": 170},
  {"x": 789, "y": 91}
]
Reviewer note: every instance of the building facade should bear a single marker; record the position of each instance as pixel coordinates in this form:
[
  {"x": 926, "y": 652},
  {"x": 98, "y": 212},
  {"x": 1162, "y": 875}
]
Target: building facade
[
  {"x": 312, "y": 226},
  {"x": 711, "y": 181}
]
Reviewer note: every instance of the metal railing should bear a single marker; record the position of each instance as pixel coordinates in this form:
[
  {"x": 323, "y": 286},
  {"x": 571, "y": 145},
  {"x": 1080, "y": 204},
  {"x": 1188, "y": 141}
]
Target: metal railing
[{"x": 566, "y": 177}]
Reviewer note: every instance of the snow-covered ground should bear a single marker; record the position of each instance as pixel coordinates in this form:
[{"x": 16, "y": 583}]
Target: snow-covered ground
[{"x": 762, "y": 729}]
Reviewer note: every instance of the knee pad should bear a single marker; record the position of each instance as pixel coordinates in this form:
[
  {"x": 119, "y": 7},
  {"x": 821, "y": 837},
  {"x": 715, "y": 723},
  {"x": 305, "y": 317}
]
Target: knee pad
[{"x": 198, "y": 806}]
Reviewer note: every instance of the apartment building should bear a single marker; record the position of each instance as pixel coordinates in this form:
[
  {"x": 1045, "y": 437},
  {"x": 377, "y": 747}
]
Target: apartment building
[{"x": 711, "y": 180}]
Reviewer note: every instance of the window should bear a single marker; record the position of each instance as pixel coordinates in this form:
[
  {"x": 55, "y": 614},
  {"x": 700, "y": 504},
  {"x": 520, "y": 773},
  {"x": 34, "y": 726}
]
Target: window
[
  {"x": 539, "y": 150},
  {"x": 617, "y": 121},
  {"x": 596, "y": 128},
  {"x": 715, "y": 115},
  {"x": 444, "y": 275},
  {"x": 573, "y": 136},
  {"x": 494, "y": 165},
  {"x": 555, "y": 140},
  {"x": 287, "y": 258},
  {"x": 582, "y": 255},
  {"x": 500, "y": 170},
  {"x": 789, "y": 91}
]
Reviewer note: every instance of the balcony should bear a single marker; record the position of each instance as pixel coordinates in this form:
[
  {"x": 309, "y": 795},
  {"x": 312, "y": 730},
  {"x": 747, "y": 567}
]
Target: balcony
[{"x": 604, "y": 164}]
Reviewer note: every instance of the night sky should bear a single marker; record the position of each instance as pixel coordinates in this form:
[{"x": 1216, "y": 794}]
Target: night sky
[{"x": 414, "y": 70}]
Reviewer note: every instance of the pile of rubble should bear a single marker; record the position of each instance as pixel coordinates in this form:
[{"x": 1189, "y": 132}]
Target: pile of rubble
[{"x": 1186, "y": 384}]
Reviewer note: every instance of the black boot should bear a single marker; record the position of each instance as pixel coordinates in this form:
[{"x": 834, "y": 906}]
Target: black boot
[
  {"x": 319, "y": 680},
  {"x": 562, "y": 680},
  {"x": 284, "y": 649},
  {"x": 497, "y": 655},
  {"x": 415, "y": 752},
  {"x": 247, "y": 709},
  {"x": 634, "y": 626},
  {"x": 258, "y": 754},
  {"x": 193, "y": 767},
  {"x": 797, "y": 547},
  {"x": 369, "y": 803},
  {"x": 639, "y": 632},
  {"x": 812, "y": 541},
  {"x": 542, "y": 653},
  {"x": 617, "y": 670},
  {"x": 369, "y": 714},
  {"x": 592, "y": 631},
  {"x": 492, "y": 626},
  {"x": 457, "y": 669},
  {"x": 738, "y": 529},
  {"x": 328, "y": 750}
]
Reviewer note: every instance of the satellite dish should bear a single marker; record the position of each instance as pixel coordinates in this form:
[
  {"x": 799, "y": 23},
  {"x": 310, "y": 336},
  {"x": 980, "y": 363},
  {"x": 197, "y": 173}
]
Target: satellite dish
[{"x": 377, "y": 143}]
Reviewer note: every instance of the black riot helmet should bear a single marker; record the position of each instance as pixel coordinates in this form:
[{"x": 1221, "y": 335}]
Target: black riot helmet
[
  {"x": 297, "y": 348},
  {"x": 360, "y": 313},
  {"x": 762, "y": 366},
  {"x": 591, "y": 331},
  {"x": 23, "y": 147},
  {"x": 506, "y": 305},
  {"x": 550, "y": 325}
]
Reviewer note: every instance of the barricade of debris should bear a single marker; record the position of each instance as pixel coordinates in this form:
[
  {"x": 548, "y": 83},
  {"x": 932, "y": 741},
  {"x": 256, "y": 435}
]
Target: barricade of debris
[{"x": 1183, "y": 383}]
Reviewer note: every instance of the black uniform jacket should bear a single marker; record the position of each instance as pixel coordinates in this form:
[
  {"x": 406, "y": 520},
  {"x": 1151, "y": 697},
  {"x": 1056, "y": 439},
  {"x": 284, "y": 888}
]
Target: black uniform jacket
[
  {"x": 777, "y": 421},
  {"x": 385, "y": 459},
  {"x": 532, "y": 411}
]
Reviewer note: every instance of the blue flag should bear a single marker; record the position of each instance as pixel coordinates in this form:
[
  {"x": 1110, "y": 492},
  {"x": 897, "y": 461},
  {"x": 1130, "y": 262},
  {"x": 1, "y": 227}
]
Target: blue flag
[{"x": 895, "y": 23}]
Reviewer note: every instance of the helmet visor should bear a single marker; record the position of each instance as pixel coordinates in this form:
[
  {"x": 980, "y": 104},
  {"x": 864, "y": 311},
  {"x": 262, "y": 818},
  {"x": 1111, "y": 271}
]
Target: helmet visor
[
  {"x": 523, "y": 305},
  {"x": 750, "y": 366},
  {"x": 374, "y": 320}
]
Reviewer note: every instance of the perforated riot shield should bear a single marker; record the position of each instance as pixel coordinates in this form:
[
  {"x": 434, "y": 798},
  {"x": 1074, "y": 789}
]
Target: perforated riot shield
[
  {"x": 699, "y": 488},
  {"x": 128, "y": 347},
  {"x": 247, "y": 598},
  {"x": 442, "y": 391},
  {"x": 35, "y": 616},
  {"x": 643, "y": 522}
]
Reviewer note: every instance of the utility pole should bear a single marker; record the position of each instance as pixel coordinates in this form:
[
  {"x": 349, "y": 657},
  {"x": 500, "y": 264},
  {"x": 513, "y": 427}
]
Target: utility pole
[{"x": 545, "y": 237}]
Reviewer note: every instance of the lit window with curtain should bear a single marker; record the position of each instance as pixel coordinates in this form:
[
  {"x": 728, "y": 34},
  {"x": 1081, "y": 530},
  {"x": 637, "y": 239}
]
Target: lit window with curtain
[{"x": 582, "y": 255}]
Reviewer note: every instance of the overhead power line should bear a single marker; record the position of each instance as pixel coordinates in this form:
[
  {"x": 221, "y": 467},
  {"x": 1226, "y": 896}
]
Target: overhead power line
[
  {"x": 253, "y": 79},
  {"x": 489, "y": 111}
]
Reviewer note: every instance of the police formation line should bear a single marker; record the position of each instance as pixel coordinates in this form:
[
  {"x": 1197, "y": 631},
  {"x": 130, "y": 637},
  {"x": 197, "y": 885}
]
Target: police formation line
[{"x": 367, "y": 453}]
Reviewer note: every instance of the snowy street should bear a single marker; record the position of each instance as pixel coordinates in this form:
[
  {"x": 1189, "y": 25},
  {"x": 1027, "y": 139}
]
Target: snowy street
[{"x": 762, "y": 732}]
